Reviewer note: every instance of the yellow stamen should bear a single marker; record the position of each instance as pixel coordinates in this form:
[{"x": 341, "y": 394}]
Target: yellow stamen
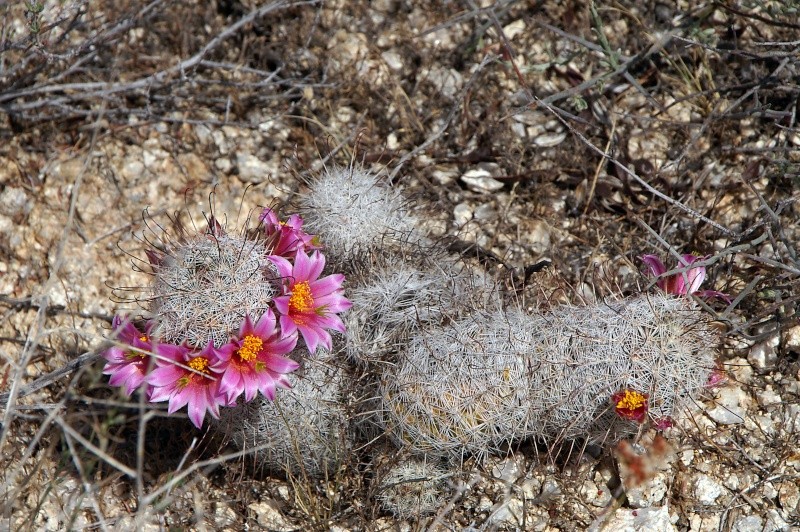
[
  {"x": 631, "y": 400},
  {"x": 301, "y": 299},
  {"x": 251, "y": 347},
  {"x": 144, "y": 338},
  {"x": 199, "y": 364}
]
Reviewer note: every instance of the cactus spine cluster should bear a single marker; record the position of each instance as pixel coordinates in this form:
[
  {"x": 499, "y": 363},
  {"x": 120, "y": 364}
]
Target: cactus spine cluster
[{"x": 304, "y": 430}]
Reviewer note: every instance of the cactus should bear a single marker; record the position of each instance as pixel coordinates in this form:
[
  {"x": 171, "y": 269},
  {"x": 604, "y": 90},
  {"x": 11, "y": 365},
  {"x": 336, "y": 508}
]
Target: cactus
[
  {"x": 304, "y": 431},
  {"x": 472, "y": 386},
  {"x": 224, "y": 313},
  {"x": 458, "y": 374},
  {"x": 205, "y": 286},
  {"x": 399, "y": 297},
  {"x": 450, "y": 369},
  {"x": 357, "y": 214}
]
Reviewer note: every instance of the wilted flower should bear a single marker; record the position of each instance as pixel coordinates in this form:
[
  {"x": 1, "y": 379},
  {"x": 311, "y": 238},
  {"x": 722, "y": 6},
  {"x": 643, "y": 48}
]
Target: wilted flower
[
  {"x": 683, "y": 282},
  {"x": 128, "y": 364},
  {"x": 663, "y": 423},
  {"x": 310, "y": 304},
  {"x": 716, "y": 378},
  {"x": 253, "y": 361},
  {"x": 285, "y": 239},
  {"x": 630, "y": 405},
  {"x": 197, "y": 387}
]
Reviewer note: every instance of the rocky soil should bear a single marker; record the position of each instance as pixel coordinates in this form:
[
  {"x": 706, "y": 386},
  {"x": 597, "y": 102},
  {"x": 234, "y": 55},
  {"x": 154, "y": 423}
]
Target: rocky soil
[{"x": 529, "y": 133}]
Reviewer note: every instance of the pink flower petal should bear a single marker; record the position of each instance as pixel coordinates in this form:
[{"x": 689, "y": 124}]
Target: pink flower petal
[{"x": 654, "y": 264}]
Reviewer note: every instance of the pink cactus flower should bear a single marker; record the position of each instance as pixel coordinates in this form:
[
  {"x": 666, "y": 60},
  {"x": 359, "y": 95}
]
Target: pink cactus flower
[
  {"x": 285, "y": 239},
  {"x": 199, "y": 389},
  {"x": 129, "y": 363},
  {"x": 310, "y": 304},
  {"x": 684, "y": 282},
  {"x": 253, "y": 361}
]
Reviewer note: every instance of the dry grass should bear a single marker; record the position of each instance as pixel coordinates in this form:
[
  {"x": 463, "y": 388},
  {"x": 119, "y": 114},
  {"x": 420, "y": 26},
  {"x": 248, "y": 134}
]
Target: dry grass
[{"x": 635, "y": 128}]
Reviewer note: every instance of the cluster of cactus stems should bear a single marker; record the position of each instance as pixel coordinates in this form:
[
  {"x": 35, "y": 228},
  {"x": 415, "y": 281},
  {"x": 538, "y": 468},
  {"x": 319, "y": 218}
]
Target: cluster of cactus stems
[
  {"x": 455, "y": 368},
  {"x": 225, "y": 312}
]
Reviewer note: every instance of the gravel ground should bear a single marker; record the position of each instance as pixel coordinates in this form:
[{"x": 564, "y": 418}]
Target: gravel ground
[{"x": 525, "y": 131}]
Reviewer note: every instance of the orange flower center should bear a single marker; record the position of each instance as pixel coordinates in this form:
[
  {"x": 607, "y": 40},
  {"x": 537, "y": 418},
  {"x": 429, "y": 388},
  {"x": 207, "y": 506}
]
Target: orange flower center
[
  {"x": 199, "y": 364},
  {"x": 631, "y": 400},
  {"x": 251, "y": 347},
  {"x": 301, "y": 299}
]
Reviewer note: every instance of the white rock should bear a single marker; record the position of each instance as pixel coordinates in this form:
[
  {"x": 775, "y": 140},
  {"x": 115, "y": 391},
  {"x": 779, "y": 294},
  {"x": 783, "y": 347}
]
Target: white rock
[
  {"x": 462, "y": 214},
  {"x": 530, "y": 118},
  {"x": 224, "y": 516},
  {"x": 203, "y": 133},
  {"x": 730, "y": 409},
  {"x": 763, "y": 355},
  {"x": 132, "y": 169},
  {"x": 750, "y": 523},
  {"x": 649, "y": 493},
  {"x": 391, "y": 142},
  {"x": 150, "y": 157},
  {"x": 519, "y": 130},
  {"x": 537, "y": 235},
  {"x": 445, "y": 176},
  {"x": 251, "y": 168},
  {"x": 393, "y": 60},
  {"x": 687, "y": 457},
  {"x": 509, "y": 470},
  {"x": 269, "y": 517},
  {"x": 768, "y": 397},
  {"x": 484, "y": 505},
  {"x": 760, "y": 423},
  {"x": 283, "y": 491},
  {"x": 510, "y": 511},
  {"x": 14, "y": 202},
  {"x": 707, "y": 490},
  {"x": 484, "y": 213},
  {"x": 550, "y": 489},
  {"x": 594, "y": 494},
  {"x": 791, "y": 419},
  {"x": 531, "y": 487},
  {"x": 643, "y": 520},
  {"x": 222, "y": 142},
  {"x": 224, "y": 165},
  {"x": 514, "y": 29},
  {"x": 775, "y": 521},
  {"x": 481, "y": 180},
  {"x": 741, "y": 369},
  {"x": 447, "y": 81},
  {"x": 793, "y": 337},
  {"x": 549, "y": 140}
]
